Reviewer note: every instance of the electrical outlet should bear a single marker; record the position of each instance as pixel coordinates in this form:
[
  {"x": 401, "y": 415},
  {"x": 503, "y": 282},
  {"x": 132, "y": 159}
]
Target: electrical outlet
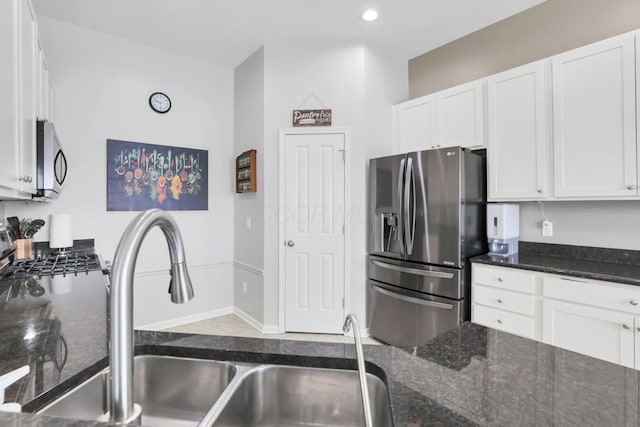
[
  {"x": 248, "y": 223},
  {"x": 547, "y": 228},
  {"x": 244, "y": 287}
]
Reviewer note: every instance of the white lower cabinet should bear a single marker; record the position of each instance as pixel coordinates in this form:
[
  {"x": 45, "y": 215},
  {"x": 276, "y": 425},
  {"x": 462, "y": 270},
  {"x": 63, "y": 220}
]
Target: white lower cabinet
[
  {"x": 506, "y": 299},
  {"x": 596, "y": 318},
  {"x": 604, "y": 334}
]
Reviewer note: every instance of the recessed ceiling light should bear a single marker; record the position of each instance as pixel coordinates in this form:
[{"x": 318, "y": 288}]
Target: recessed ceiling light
[{"x": 369, "y": 15}]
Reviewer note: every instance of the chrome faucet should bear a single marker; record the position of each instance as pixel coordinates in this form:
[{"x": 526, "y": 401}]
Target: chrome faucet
[
  {"x": 122, "y": 407},
  {"x": 352, "y": 321}
]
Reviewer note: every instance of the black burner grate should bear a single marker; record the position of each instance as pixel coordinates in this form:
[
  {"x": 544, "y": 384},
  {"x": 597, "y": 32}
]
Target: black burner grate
[{"x": 53, "y": 265}]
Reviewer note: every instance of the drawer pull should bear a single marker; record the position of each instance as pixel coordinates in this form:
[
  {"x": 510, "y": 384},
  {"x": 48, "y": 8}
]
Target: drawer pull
[
  {"x": 633, "y": 302},
  {"x": 499, "y": 301},
  {"x": 572, "y": 280},
  {"x": 426, "y": 303},
  {"x": 624, "y": 325},
  {"x": 500, "y": 279},
  {"x": 426, "y": 273},
  {"x": 500, "y": 321}
]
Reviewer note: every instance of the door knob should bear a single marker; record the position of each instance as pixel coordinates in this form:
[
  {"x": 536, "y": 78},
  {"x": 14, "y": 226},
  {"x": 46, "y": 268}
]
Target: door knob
[{"x": 291, "y": 243}]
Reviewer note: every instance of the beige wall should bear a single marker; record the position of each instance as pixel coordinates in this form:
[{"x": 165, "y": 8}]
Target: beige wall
[{"x": 544, "y": 30}]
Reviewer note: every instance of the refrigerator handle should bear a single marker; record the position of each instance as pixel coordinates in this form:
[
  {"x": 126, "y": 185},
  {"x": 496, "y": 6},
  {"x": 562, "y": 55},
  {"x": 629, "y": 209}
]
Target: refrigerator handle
[
  {"x": 409, "y": 219},
  {"x": 406, "y": 298},
  {"x": 426, "y": 273},
  {"x": 401, "y": 179}
]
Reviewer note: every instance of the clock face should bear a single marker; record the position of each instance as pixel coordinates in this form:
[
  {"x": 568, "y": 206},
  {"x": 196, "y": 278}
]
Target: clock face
[{"x": 159, "y": 102}]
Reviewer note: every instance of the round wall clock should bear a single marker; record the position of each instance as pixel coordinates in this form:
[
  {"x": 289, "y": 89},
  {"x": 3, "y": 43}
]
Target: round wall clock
[{"x": 159, "y": 102}]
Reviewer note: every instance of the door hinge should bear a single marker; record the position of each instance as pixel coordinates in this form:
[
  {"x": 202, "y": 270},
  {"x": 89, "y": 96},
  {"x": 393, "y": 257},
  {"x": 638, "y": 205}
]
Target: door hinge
[
  {"x": 343, "y": 155},
  {"x": 342, "y": 228},
  {"x": 342, "y": 302}
]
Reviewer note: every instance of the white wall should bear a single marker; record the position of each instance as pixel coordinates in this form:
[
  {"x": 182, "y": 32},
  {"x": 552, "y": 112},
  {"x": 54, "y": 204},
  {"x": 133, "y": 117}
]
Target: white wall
[
  {"x": 339, "y": 74},
  {"x": 608, "y": 224},
  {"x": 102, "y": 86},
  {"x": 249, "y": 134}
]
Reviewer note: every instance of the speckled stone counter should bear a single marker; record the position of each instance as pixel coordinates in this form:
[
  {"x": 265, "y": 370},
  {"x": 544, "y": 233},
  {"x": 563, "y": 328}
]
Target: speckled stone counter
[
  {"x": 468, "y": 376},
  {"x": 622, "y": 266}
]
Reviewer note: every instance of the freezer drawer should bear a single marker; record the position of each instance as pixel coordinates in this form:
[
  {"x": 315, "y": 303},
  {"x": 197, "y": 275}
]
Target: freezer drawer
[
  {"x": 440, "y": 281},
  {"x": 404, "y": 318}
]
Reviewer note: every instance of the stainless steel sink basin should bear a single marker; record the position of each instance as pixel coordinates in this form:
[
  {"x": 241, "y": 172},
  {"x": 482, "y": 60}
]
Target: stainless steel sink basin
[
  {"x": 271, "y": 395},
  {"x": 172, "y": 391},
  {"x": 180, "y": 392}
]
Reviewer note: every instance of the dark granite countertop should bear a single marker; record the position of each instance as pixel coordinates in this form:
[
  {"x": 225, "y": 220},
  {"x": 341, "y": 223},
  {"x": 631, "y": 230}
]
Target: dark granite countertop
[
  {"x": 615, "y": 265},
  {"x": 468, "y": 376}
]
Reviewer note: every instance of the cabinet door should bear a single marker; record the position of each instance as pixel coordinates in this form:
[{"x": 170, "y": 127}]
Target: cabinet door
[
  {"x": 517, "y": 133},
  {"x": 637, "y": 342},
  {"x": 9, "y": 139},
  {"x": 42, "y": 84},
  {"x": 594, "y": 120},
  {"x": 459, "y": 116},
  {"x": 604, "y": 334},
  {"x": 416, "y": 125},
  {"x": 28, "y": 65}
]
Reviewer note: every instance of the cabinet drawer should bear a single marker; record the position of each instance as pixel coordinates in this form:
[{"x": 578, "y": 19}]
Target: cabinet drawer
[
  {"x": 505, "y": 278},
  {"x": 504, "y": 321},
  {"x": 614, "y": 296},
  {"x": 504, "y": 300}
]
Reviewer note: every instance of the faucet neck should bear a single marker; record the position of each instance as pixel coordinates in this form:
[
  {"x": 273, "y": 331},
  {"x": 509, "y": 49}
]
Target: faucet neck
[{"x": 121, "y": 301}]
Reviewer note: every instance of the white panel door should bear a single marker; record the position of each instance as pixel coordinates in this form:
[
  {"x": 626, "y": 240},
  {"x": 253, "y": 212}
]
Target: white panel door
[
  {"x": 517, "y": 144},
  {"x": 416, "y": 124},
  {"x": 596, "y": 332},
  {"x": 594, "y": 126},
  {"x": 314, "y": 232},
  {"x": 460, "y": 117}
]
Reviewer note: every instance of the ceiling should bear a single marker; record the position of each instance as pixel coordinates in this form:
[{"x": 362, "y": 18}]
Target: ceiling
[{"x": 225, "y": 32}]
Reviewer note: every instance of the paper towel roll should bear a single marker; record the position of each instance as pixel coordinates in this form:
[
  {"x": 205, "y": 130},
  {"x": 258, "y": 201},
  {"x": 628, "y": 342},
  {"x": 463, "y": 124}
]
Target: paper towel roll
[{"x": 60, "y": 235}]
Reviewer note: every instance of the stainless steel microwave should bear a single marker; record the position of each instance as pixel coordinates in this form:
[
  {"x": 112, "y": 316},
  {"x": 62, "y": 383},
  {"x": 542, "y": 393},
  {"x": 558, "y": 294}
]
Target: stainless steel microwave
[{"x": 51, "y": 161}]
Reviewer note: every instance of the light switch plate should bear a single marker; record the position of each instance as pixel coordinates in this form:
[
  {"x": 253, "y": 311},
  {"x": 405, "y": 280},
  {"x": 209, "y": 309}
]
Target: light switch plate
[
  {"x": 248, "y": 223},
  {"x": 547, "y": 228}
]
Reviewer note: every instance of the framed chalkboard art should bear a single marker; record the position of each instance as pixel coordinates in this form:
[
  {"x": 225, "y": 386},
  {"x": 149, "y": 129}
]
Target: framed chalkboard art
[{"x": 144, "y": 176}]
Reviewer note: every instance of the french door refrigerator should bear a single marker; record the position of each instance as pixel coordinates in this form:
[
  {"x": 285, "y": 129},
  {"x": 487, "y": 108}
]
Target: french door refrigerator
[{"x": 426, "y": 218}]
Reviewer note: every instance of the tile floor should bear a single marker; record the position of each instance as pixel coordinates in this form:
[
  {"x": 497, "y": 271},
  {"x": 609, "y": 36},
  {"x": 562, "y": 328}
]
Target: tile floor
[{"x": 233, "y": 325}]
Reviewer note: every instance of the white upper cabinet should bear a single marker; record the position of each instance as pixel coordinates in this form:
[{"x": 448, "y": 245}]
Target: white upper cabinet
[
  {"x": 416, "y": 128},
  {"x": 594, "y": 113},
  {"x": 21, "y": 77},
  {"x": 517, "y": 106},
  {"x": 28, "y": 66},
  {"x": 443, "y": 119},
  {"x": 459, "y": 116},
  {"x": 9, "y": 131}
]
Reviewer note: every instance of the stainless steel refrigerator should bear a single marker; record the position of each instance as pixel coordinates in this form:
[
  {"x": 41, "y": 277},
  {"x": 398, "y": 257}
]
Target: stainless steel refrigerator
[{"x": 426, "y": 218}]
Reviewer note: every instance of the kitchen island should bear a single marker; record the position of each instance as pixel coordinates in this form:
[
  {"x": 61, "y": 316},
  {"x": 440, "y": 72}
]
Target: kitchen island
[
  {"x": 471, "y": 375},
  {"x": 468, "y": 376}
]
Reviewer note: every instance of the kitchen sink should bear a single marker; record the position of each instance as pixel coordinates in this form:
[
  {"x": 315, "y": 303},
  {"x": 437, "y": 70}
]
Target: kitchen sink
[
  {"x": 172, "y": 391},
  {"x": 271, "y": 395},
  {"x": 181, "y": 392}
]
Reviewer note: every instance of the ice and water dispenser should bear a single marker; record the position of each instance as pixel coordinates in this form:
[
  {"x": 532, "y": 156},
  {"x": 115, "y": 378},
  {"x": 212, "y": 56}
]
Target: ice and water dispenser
[{"x": 503, "y": 228}]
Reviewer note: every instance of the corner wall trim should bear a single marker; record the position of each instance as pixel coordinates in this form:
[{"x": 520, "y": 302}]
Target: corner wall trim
[
  {"x": 191, "y": 268},
  {"x": 249, "y": 268}
]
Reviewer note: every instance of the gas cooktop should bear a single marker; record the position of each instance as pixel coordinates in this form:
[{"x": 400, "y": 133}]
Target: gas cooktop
[{"x": 52, "y": 265}]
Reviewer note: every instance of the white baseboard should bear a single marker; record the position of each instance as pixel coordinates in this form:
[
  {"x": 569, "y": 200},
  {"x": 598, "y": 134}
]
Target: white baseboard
[
  {"x": 364, "y": 333},
  {"x": 265, "y": 329},
  {"x": 165, "y": 324}
]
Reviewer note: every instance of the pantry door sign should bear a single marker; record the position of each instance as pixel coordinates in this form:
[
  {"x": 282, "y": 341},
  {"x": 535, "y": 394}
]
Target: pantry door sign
[{"x": 312, "y": 117}]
